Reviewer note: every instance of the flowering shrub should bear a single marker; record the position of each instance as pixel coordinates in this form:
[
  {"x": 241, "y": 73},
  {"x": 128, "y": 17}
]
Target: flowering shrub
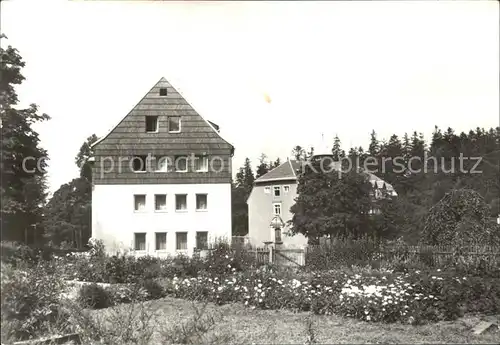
[
  {"x": 391, "y": 297},
  {"x": 30, "y": 300}
]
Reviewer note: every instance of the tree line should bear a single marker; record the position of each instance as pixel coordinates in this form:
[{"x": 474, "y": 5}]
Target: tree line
[
  {"x": 326, "y": 206},
  {"x": 425, "y": 173}
]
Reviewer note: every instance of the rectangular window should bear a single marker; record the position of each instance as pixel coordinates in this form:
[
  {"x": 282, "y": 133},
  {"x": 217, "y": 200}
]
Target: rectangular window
[
  {"x": 161, "y": 241},
  {"x": 151, "y": 124},
  {"x": 181, "y": 242},
  {"x": 140, "y": 203},
  {"x": 174, "y": 124},
  {"x": 180, "y": 163},
  {"x": 181, "y": 202},
  {"x": 163, "y": 91},
  {"x": 277, "y": 209},
  {"x": 267, "y": 190},
  {"x": 139, "y": 163},
  {"x": 286, "y": 189},
  {"x": 201, "y": 202},
  {"x": 202, "y": 240},
  {"x": 162, "y": 164},
  {"x": 161, "y": 202},
  {"x": 201, "y": 163},
  {"x": 277, "y": 191},
  {"x": 140, "y": 241},
  {"x": 277, "y": 235}
]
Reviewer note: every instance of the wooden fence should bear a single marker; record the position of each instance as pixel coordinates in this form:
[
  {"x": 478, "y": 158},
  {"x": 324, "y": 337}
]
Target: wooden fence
[
  {"x": 429, "y": 255},
  {"x": 437, "y": 256},
  {"x": 281, "y": 256}
]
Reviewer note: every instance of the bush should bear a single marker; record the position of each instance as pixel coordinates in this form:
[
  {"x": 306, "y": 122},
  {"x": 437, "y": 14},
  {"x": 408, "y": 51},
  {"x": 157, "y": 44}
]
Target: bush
[
  {"x": 342, "y": 253},
  {"x": 153, "y": 288},
  {"x": 18, "y": 253},
  {"x": 30, "y": 300},
  {"x": 94, "y": 296},
  {"x": 461, "y": 217}
]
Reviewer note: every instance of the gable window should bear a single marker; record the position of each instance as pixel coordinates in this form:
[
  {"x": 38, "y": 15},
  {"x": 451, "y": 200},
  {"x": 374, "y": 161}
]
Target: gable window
[
  {"x": 277, "y": 209},
  {"x": 201, "y": 163},
  {"x": 174, "y": 124},
  {"x": 202, "y": 240},
  {"x": 163, "y": 91},
  {"x": 267, "y": 190},
  {"x": 151, "y": 124},
  {"x": 140, "y": 241},
  {"x": 161, "y": 241},
  {"x": 277, "y": 190},
  {"x": 181, "y": 202},
  {"x": 181, "y": 163},
  {"x": 161, "y": 202},
  {"x": 201, "y": 202},
  {"x": 139, "y": 202},
  {"x": 139, "y": 163},
  {"x": 162, "y": 164},
  {"x": 181, "y": 241},
  {"x": 286, "y": 189}
]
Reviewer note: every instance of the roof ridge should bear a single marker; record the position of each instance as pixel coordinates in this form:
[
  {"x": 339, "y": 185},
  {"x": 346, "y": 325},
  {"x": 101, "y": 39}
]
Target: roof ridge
[
  {"x": 291, "y": 167},
  {"x": 162, "y": 79},
  {"x": 123, "y": 118}
]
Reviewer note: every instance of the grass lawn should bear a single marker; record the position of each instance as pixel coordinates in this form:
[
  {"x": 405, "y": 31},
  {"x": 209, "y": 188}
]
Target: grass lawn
[{"x": 285, "y": 327}]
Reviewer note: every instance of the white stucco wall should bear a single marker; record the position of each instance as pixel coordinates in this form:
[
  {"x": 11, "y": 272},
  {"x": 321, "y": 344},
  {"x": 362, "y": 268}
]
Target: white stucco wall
[{"x": 114, "y": 220}]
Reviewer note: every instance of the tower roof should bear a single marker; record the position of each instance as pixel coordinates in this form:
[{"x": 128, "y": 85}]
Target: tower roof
[{"x": 322, "y": 149}]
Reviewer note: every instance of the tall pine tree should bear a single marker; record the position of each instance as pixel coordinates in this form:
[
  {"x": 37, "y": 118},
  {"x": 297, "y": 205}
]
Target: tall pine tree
[{"x": 69, "y": 211}]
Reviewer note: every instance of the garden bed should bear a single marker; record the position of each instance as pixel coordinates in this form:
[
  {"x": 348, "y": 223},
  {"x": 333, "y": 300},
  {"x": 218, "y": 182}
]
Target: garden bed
[
  {"x": 97, "y": 281},
  {"x": 239, "y": 325}
]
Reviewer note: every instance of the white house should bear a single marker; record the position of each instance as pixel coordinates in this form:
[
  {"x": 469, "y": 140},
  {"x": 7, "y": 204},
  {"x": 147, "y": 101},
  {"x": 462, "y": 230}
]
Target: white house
[
  {"x": 274, "y": 193},
  {"x": 161, "y": 179}
]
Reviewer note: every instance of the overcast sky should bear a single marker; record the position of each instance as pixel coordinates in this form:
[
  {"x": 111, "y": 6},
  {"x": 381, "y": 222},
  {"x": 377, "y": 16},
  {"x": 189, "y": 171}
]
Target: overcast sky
[{"x": 328, "y": 67}]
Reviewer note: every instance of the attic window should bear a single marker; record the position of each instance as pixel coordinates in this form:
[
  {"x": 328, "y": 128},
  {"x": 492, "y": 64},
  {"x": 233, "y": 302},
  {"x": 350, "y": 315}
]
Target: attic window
[
  {"x": 151, "y": 124},
  {"x": 174, "y": 124},
  {"x": 163, "y": 91},
  {"x": 139, "y": 163}
]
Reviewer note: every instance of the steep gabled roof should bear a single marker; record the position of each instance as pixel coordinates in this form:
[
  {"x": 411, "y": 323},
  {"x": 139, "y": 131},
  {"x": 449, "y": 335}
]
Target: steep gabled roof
[
  {"x": 285, "y": 171},
  {"x": 173, "y": 104},
  {"x": 289, "y": 170}
]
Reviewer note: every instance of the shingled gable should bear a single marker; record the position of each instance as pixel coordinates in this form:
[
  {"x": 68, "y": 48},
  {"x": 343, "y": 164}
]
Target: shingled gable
[
  {"x": 114, "y": 152},
  {"x": 196, "y": 132},
  {"x": 285, "y": 171}
]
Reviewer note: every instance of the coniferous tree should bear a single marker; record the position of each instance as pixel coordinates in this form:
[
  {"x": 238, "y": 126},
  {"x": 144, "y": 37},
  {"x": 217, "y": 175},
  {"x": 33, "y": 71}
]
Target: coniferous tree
[
  {"x": 337, "y": 151},
  {"x": 263, "y": 167},
  {"x": 82, "y": 158},
  {"x": 374, "y": 148},
  {"x": 241, "y": 189},
  {"x": 68, "y": 213},
  {"x": 299, "y": 153}
]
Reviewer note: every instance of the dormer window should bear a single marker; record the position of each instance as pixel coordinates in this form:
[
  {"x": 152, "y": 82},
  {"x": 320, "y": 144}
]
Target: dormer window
[
  {"x": 174, "y": 124},
  {"x": 163, "y": 91},
  {"x": 139, "y": 163},
  {"x": 151, "y": 124}
]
